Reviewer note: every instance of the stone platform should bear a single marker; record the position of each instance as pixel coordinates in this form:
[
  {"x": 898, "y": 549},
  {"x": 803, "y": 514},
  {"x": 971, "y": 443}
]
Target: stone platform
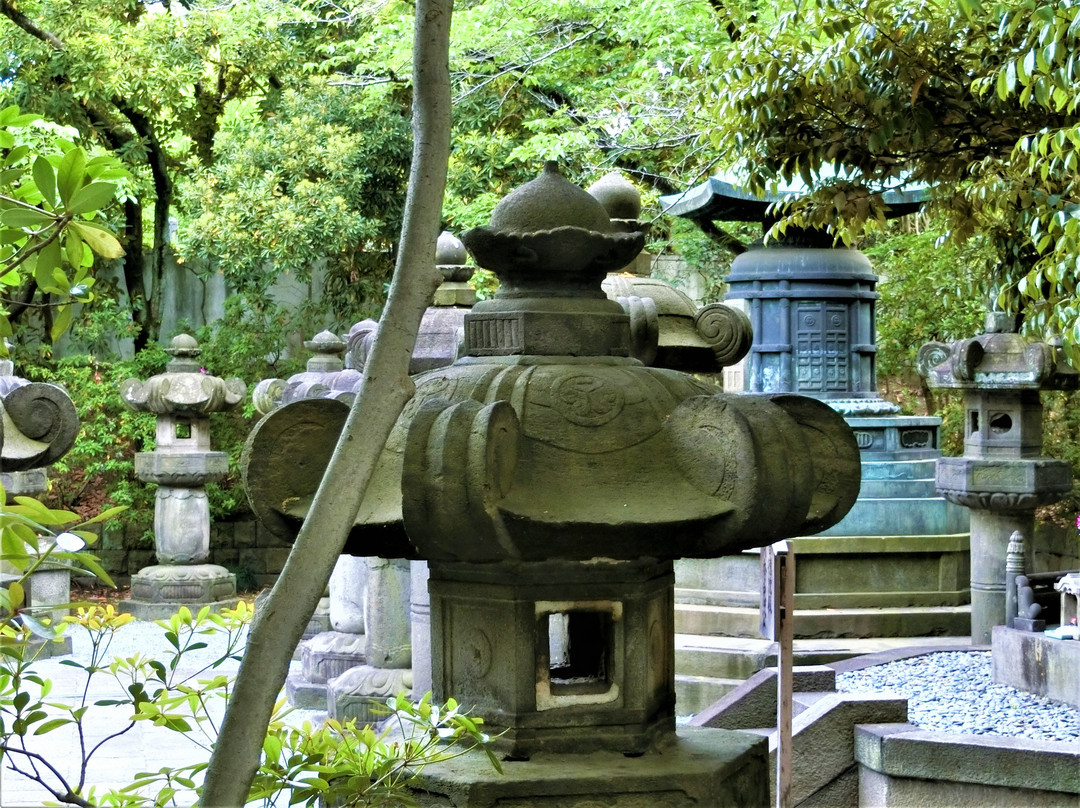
[
  {"x": 696, "y": 767},
  {"x": 1038, "y": 664}
]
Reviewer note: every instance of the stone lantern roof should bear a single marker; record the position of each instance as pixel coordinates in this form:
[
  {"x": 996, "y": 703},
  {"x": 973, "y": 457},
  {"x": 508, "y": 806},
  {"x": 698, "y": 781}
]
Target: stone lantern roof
[
  {"x": 1000, "y": 358},
  {"x": 547, "y": 431},
  {"x": 184, "y": 388}
]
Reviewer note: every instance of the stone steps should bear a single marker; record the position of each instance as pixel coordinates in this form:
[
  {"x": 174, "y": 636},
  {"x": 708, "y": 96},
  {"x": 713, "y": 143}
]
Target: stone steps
[
  {"x": 824, "y": 771},
  {"x": 709, "y": 668},
  {"x": 900, "y": 621}
]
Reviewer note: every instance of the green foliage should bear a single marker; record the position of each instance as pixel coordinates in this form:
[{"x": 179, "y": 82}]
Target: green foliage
[
  {"x": 99, "y": 470},
  {"x": 339, "y": 763},
  {"x": 931, "y": 290},
  {"x": 977, "y": 101},
  {"x": 318, "y": 185},
  {"x": 51, "y": 195}
]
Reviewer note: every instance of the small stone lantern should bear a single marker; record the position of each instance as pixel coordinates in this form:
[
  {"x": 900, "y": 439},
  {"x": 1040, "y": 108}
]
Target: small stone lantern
[
  {"x": 39, "y": 427},
  {"x": 1002, "y": 477},
  {"x": 182, "y": 398}
]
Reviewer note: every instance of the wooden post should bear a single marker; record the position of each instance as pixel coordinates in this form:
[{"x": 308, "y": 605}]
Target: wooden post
[{"x": 777, "y": 624}]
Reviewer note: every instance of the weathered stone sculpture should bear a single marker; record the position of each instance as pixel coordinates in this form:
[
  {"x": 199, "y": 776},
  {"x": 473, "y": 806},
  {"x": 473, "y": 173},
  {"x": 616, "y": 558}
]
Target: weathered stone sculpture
[
  {"x": 334, "y": 640},
  {"x": 667, "y": 328},
  {"x": 182, "y": 398},
  {"x": 325, "y": 376},
  {"x": 39, "y": 425},
  {"x": 1002, "y": 476},
  {"x": 550, "y": 479}
]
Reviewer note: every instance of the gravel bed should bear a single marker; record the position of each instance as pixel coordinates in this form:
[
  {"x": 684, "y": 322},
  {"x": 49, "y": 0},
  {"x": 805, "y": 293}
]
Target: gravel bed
[{"x": 953, "y": 691}]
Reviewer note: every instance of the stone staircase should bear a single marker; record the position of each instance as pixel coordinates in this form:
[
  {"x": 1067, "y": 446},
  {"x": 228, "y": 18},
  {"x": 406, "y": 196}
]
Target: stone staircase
[
  {"x": 825, "y": 773},
  {"x": 708, "y": 669}
]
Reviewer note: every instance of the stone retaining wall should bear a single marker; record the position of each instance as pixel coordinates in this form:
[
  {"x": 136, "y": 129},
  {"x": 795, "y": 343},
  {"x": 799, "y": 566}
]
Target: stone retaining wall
[
  {"x": 244, "y": 548},
  {"x": 901, "y": 766}
]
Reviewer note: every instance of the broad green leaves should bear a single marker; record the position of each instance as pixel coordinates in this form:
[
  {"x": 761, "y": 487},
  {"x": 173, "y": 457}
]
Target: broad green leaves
[{"x": 50, "y": 190}]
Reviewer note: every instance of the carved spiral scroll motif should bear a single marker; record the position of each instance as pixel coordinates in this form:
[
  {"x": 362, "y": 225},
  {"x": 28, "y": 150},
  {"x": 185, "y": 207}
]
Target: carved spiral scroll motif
[
  {"x": 727, "y": 331},
  {"x": 45, "y": 425}
]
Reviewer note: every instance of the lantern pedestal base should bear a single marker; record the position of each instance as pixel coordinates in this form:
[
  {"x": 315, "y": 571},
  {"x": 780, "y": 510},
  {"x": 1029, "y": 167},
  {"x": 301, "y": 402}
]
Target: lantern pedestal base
[
  {"x": 694, "y": 766},
  {"x": 158, "y": 592}
]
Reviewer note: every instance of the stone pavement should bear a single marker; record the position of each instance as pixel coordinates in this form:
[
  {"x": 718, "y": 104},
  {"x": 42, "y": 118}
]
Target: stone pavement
[{"x": 142, "y": 748}]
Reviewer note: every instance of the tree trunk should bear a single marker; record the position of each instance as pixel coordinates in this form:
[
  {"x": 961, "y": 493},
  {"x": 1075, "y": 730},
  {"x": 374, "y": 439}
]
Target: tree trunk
[{"x": 385, "y": 390}]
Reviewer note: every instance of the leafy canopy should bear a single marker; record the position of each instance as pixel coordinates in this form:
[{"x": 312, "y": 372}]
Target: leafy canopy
[
  {"x": 51, "y": 196},
  {"x": 976, "y": 100}
]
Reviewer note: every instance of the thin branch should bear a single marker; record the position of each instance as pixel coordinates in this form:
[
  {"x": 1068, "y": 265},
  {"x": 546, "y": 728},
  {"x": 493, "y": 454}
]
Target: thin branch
[{"x": 70, "y": 797}]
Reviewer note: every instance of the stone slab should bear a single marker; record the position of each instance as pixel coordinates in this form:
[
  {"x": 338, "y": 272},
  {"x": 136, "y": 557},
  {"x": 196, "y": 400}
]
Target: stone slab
[
  {"x": 901, "y": 750},
  {"x": 877, "y": 790},
  {"x": 304, "y": 694},
  {"x": 1037, "y": 664},
  {"x": 695, "y": 767},
  {"x": 839, "y": 623},
  {"x": 146, "y": 610},
  {"x": 753, "y": 703}
]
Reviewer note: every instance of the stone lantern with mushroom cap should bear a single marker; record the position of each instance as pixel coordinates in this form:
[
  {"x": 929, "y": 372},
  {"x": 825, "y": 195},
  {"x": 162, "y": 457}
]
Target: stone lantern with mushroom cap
[
  {"x": 550, "y": 479},
  {"x": 182, "y": 398}
]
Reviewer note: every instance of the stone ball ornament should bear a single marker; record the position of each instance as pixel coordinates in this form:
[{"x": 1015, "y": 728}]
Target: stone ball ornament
[{"x": 548, "y": 440}]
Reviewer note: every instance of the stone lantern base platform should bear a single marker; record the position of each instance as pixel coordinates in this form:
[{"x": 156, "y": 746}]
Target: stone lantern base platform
[
  {"x": 694, "y": 767},
  {"x": 158, "y": 592}
]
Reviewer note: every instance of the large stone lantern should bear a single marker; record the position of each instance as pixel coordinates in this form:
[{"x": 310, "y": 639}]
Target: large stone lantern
[
  {"x": 1002, "y": 477},
  {"x": 182, "y": 398},
  {"x": 550, "y": 480}
]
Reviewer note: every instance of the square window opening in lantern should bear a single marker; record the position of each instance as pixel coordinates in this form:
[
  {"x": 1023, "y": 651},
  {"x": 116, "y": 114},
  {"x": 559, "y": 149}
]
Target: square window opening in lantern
[{"x": 579, "y": 646}]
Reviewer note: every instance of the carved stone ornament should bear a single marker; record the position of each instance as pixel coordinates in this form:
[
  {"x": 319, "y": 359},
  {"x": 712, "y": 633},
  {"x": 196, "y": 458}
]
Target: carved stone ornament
[
  {"x": 182, "y": 388},
  {"x": 547, "y": 431}
]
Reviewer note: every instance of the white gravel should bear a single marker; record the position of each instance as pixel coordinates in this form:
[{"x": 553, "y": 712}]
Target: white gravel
[{"x": 953, "y": 691}]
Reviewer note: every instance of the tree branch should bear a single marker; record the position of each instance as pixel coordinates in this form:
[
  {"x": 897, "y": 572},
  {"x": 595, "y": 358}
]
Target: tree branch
[
  {"x": 8, "y": 9},
  {"x": 384, "y": 391}
]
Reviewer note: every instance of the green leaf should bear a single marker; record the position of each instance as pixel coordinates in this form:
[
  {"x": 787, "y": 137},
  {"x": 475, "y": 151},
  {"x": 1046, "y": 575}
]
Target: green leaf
[
  {"x": 92, "y": 197},
  {"x": 47, "y": 262},
  {"x": 26, "y": 217},
  {"x": 61, "y": 322},
  {"x": 100, "y": 240},
  {"x": 45, "y": 179},
  {"x": 16, "y": 593},
  {"x": 49, "y": 726},
  {"x": 37, "y": 628},
  {"x": 70, "y": 174}
]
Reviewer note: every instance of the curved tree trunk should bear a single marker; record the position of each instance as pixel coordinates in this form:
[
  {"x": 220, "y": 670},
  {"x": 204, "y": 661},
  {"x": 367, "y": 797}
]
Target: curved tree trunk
[{"x": 385, "y": 390}]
